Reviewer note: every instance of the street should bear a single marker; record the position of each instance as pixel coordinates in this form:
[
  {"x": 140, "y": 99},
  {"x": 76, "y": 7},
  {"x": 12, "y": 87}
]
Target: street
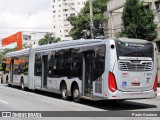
[{"x": 14, "y": 99}]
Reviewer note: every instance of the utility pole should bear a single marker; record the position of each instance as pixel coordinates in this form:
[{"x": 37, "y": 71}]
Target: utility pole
[{"x": 91, "y": 19}]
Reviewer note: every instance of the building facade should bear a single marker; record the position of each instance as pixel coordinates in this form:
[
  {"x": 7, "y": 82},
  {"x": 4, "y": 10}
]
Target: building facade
[
  {"x": 115, "y": 9},
  {"x": 22, "y": 40},
  {"x": 61, "y": 9}
]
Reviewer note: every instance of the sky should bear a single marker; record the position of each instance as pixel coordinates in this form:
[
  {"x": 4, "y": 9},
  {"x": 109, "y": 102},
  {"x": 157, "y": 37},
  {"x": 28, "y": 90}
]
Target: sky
[{"x": 25, "y": 15}]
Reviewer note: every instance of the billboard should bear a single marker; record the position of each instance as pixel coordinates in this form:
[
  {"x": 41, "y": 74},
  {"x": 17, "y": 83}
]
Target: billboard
[{"x": 15, "y": 38}]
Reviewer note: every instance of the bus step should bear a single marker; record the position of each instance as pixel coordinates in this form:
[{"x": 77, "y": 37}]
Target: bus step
[
  {"x": 86, "y": 97},
  {"x": 43, "y": 89}
]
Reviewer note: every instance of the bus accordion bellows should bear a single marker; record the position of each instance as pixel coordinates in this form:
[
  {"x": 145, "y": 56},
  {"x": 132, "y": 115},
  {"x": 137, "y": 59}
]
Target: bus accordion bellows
[{"x": 110, "y": 69}]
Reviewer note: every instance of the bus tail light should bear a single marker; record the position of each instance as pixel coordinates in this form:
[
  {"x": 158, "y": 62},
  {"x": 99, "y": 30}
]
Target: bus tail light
[
  {"x": 155, "y": 83},
  {"x": 112, "y": 82}
]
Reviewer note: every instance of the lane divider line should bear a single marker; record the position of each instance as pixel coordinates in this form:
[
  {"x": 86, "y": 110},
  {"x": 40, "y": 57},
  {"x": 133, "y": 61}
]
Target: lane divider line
[{"x": 3, "y": 101}]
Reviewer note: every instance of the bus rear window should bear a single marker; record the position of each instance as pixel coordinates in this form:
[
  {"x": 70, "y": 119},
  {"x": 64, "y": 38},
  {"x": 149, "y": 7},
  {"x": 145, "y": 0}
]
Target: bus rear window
[{"x": 134, "y": 50}]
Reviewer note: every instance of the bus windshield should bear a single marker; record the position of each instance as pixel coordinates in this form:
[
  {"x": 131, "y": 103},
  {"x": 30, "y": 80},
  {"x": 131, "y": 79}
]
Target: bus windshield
[{"x": 125, "y": 49}]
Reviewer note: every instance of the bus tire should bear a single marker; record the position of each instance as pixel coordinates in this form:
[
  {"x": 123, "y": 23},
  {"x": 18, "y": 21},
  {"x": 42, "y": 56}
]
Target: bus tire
[
  {"x": 9, "y": 85},
  {"x": 64, "y": 91},
  {"x": 7, "y": 79},
  {"x": 76, "y": 94},
  {"x": 1, "y": 80},
  {"x": 22, "y": 84}
]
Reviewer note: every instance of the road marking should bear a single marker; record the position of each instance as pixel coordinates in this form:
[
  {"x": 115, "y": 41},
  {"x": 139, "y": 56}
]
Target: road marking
[{"x": 3, "y": 102}]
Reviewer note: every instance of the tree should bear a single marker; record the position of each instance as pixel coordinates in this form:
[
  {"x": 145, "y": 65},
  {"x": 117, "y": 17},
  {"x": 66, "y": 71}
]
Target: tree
[
  {"x": 138, "y": 21},
  {"x": 25, "y": 45},
  {"x": 48, "y": 39},
  {"x": 4, "y": 52},
  {"x": 81, "y": 24}
]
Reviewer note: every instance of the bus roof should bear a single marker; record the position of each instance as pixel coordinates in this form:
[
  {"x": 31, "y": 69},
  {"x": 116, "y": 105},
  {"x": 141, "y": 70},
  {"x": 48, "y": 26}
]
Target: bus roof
[
  {"x": 71, "y": 43},
  {"x": 16, "y": 53},
  {"x": 62, "y": 44},
  {"x": 132, "y": 40}
]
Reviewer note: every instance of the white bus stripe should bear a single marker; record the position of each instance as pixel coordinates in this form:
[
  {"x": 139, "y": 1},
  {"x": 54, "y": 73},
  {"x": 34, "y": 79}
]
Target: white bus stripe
[{"x": 3, "y": 102}]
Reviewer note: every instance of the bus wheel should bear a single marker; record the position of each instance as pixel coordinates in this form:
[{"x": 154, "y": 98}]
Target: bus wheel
[
  {"x": 1, "y": 80},
  {"x": 22, "y": 84},
  {"x": 7, "y": 79},
  {"x": 64, "y": 91},
  {"x": 76, "y": 93}
]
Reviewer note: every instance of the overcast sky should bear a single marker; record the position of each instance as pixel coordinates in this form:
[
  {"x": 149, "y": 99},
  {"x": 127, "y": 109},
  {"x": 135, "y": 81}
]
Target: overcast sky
[{"x": 22, "y": 15}]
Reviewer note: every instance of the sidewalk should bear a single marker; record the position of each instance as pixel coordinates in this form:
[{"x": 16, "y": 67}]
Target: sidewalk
[{"x": 158, "y": 91}]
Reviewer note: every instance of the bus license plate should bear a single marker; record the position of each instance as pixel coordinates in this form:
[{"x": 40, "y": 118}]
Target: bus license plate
[{"x": 135, "y": 84}]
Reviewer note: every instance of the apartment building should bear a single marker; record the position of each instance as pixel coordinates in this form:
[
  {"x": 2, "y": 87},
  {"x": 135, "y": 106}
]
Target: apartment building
[
  {"x": 115, "y": 9},
  {"x": 61, "y": 10}
]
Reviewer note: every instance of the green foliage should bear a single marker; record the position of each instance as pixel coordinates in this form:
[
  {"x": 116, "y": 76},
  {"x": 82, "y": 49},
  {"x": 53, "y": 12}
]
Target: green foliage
[
  {"x": 5, "y": 51},
  {"x": 81, "y": 24},
  {"x": 25, "y": 45},
  {"x": 48, "y": 39},
  {"x": 138, "y": 21}
]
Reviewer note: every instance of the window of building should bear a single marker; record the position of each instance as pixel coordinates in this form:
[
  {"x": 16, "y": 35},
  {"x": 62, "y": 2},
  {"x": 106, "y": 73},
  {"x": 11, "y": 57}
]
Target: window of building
[
  {"x": 73, "y": 14},
  {"x": 157, "y": 4},
  {"x": 59, "y": 5},
  {"x": 66, "y": 30},
  {"x": 54, "y": 11},
  {"x": 66, "y": 24},
  {"x": 71, "y": 3},
  {"x": 65, "y": 9},
  {"x": 67, "y": 35}
]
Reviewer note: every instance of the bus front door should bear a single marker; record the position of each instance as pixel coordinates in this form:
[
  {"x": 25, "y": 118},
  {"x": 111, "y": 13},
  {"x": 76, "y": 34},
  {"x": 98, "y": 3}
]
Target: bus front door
[
  {"x": 44, "y": 71},
  {"x": 88, "y": 58}
]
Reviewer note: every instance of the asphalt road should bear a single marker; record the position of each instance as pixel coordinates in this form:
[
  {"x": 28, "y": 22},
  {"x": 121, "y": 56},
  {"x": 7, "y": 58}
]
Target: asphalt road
[{"x": 14, "y": 99}]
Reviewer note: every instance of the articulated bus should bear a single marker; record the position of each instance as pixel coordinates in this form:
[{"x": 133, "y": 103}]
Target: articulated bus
[{"x": 111, "y": 69}]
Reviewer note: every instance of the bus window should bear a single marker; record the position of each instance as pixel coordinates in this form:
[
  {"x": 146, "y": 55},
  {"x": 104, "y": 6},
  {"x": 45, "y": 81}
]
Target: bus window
[
  {"x": 38, "y": 65},
  {"x": 125, "y": 49},
  {"x": 76, "y": 63},
  {"x": 99, "y": 62}
]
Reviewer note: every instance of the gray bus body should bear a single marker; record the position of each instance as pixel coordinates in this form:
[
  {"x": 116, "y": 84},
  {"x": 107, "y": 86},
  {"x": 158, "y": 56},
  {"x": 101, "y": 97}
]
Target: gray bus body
[{"x": 102, "y": 69}]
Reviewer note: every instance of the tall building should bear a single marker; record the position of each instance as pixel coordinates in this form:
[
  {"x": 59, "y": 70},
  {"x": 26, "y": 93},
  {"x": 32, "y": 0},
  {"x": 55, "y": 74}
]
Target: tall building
[{"x": 61, "y": 10}]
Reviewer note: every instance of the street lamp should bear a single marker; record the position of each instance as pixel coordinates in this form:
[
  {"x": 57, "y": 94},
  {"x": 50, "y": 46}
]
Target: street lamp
[{"x": 91, "y": 19}]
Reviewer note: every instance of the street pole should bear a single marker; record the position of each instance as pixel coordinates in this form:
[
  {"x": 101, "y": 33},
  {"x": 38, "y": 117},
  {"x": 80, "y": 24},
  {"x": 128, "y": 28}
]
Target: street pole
[{"x": 91, "y": 19}]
